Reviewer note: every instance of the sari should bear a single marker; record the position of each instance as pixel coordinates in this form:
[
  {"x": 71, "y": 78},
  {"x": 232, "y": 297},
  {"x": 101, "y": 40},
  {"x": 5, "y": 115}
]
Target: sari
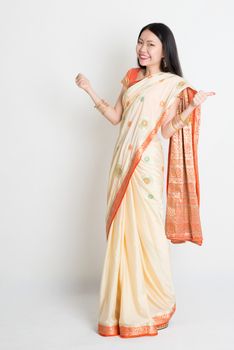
[{"x": 137, "y": 294}]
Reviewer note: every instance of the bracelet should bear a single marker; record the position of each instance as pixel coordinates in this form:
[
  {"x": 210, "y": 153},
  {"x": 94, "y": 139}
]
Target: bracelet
[
  {"x": 101, "y": 106},
  {"x": 175, "y": 128},
  {"x": 187, "y": 120},
  {"x": 177, "y": 124},
  {"x": 100, "y": 103}
]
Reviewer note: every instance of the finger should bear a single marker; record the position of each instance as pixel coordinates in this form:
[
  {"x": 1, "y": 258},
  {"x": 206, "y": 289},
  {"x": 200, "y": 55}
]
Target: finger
[{"x": 210, "y": 93}]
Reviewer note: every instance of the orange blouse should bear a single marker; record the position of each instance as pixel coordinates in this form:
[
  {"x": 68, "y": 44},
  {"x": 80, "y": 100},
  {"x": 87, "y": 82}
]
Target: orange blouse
[{"x": 131, "y": 77}]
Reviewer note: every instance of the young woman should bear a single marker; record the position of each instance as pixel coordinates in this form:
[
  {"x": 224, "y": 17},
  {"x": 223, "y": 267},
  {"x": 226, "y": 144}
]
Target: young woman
[{"x": 137, "y": 295}]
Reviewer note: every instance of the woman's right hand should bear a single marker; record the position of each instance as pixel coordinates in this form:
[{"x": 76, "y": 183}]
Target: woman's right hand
[{"x": 83, "y": 82}]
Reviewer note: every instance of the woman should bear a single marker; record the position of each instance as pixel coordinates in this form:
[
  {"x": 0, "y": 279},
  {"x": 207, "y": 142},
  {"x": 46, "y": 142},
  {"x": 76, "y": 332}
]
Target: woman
[{"x": 137, "y": 295}]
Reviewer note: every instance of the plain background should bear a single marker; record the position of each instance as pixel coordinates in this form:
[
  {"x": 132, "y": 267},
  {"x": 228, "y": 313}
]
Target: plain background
[{"x": 55, "y": 155}]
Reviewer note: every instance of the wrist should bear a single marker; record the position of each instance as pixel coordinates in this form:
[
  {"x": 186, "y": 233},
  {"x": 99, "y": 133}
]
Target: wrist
[
  {"x": 89, "y": 91},
  {"x": 101, "y": 105},
  {"x": 185, "y": 119}
]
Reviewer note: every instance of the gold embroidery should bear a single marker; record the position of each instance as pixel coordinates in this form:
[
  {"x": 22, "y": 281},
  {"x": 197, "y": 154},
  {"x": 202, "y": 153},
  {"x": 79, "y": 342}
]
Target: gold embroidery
[
  {"x": 143, "y": 123},
  {"x": 118, "y": 170},
  {"x": 146, "y": 180},
  {"x": 181, "y": 83}
]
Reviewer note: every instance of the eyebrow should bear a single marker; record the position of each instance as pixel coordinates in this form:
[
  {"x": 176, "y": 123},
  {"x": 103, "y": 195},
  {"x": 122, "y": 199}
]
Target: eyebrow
[{"x": 147, "y": 40}]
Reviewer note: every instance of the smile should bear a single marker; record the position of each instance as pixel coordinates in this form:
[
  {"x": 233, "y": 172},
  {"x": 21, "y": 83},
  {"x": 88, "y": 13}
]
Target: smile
[{"x": 143, "y": 57}]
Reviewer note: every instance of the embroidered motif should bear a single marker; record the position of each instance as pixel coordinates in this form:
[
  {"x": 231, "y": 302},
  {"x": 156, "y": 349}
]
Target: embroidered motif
[
  {"x": 129, "y": 123},
  {"x": 118, "y": 170},
  {"x": 146, "y": 180},
  {"x": 143, "y": 123},
  {"x": 181, "y": 83},
  {"x": 146, "y": 158},
  {"x": 142, "y": 98},
  {"x": 150, "y": 196},
  {"x": 130, "y": 146}
]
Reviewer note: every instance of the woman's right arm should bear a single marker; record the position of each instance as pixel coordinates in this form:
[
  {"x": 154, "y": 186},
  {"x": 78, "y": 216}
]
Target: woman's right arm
[{"x": 113, "y": 114}]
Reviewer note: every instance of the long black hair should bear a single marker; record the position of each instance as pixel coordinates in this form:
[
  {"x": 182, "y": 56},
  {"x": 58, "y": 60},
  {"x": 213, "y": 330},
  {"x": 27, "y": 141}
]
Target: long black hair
[{"x": 167, "y": 39}]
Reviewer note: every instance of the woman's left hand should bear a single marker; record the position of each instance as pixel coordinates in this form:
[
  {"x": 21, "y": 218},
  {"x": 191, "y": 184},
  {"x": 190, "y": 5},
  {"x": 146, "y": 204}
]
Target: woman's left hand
[{"x": 200, "y": 97}]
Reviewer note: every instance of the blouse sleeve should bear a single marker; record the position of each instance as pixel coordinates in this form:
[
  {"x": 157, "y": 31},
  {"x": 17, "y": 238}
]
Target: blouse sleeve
[{"x": 126, "y": 79}]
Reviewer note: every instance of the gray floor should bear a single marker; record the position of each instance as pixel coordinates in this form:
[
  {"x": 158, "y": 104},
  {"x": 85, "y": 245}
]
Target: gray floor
[{"x": 37, "y": 320}]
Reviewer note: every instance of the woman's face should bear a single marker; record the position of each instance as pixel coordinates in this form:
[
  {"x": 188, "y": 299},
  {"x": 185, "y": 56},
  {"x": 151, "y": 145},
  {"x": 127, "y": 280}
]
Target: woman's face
[{"x": 149, "y": 49}]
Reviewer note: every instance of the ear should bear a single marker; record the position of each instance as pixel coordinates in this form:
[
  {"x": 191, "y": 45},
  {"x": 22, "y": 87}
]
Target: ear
[{"x": 163, "y": 53}]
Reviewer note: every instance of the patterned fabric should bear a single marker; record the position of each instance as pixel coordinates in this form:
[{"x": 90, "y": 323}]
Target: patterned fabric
[{"x": 183, "y": 190}]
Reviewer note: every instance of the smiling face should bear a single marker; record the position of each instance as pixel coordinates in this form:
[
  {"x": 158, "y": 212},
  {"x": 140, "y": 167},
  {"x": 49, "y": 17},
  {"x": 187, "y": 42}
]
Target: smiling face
[{"x": 149, "y": 49}]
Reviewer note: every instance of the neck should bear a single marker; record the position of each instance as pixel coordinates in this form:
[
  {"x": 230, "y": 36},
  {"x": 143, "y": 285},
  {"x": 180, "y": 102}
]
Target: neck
[{"x": 151, "y": 70}]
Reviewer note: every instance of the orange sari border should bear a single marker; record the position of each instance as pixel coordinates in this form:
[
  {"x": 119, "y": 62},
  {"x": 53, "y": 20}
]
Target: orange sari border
[
  {"x": 139, "y": 331},
  {"x": 124, "y": 185}
]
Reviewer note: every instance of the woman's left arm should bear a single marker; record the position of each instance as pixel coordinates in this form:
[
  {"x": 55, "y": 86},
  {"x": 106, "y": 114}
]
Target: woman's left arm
[{"x": 175, "y": 120}]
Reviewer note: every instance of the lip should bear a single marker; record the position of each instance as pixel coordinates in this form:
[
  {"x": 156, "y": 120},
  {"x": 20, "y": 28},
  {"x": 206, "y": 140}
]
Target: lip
[{"x": 143, "y": 57}]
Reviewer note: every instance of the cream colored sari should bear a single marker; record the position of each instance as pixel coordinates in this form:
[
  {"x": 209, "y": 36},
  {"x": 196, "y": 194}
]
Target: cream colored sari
[{"x": 137, "y": 295}]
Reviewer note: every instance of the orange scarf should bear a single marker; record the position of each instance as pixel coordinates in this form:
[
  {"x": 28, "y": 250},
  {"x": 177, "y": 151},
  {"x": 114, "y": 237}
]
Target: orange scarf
[{"x": 183, "y": 191}]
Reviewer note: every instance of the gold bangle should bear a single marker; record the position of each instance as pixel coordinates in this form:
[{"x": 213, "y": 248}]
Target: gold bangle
[
  {"x": 187, "y": 120},
  {"x": 173, "y": 125},
  {"x": 102, "y": 102},
  {"x": 176, "y": 122},
  {"x": 101, "y": 106}
]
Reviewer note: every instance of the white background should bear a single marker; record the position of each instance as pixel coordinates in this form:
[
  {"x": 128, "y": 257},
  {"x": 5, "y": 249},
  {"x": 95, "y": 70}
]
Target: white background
[{"x": 55, "y": 154}]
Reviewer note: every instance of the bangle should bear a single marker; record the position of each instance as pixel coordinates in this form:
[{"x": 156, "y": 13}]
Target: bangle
[
  {"x": 100, "y": 103},
  {"x": 187, "y": 120},
  {"x": 101, "y": 106},
  {"x": 173, "y": 125},
  {"x": 177, "y": 122}
]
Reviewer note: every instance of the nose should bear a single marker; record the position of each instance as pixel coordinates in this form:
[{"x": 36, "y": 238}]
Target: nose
[{"x": 142, "y": 50}]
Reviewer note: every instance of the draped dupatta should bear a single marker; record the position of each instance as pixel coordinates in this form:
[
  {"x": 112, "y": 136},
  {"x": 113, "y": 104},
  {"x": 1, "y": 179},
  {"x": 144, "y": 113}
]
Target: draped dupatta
[
  {"x": 183, "y": 190},
  {"x": 182, "y": 210}
]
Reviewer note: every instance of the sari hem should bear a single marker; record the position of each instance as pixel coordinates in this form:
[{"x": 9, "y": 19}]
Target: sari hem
[{"x": 160, "y": 322}]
